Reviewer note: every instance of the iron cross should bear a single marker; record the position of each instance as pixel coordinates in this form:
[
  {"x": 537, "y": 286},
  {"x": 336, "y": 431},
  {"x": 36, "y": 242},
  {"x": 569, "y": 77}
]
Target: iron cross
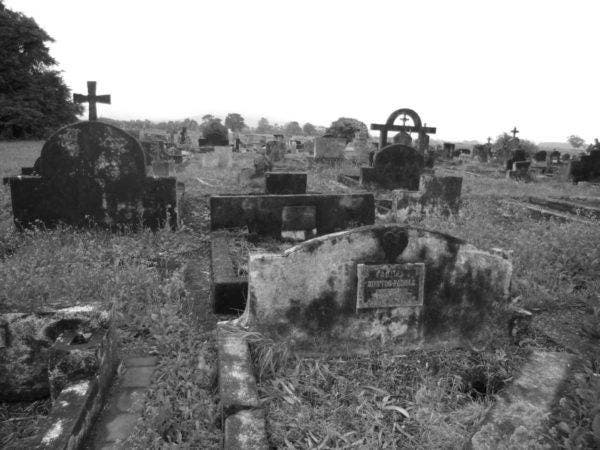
[
  {"x": 514, "y": 132},
  {"x": 92, "y": 99}
]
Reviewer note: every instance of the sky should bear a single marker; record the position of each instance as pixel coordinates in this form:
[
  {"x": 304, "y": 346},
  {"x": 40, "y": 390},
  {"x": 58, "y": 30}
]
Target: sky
[{"x": 472, "y": 69}]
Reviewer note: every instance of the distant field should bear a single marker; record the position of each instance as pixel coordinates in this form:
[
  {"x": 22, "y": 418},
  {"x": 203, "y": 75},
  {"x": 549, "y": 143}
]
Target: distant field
[{"x": 14, "y": 155}]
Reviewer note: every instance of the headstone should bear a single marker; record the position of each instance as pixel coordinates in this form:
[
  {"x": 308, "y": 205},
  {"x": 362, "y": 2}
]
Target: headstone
[
  {"x": 436, "y": 194},
  {"x": 275, "y": 150},
  {"x": 93, "y": 173},
  {"x": 586, "y": 169},
  {"x": 555, "y": 158},
  {"x": 215, "y": 157},
  {"x": 354, "y": 290},
  {"x": 359, "y": 149},
  {"x": 520, "y": 171},
  {"x": 395, "y": 167},
  {"x": 329, "y": 148},
  {"x": 482, "y": 153},
  {"x": 449, "y": 150},
  {"x": 285, "y": 182}
]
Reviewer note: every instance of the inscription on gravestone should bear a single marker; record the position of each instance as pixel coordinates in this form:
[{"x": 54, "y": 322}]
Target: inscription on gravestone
[{"x": 390, "y": 285}]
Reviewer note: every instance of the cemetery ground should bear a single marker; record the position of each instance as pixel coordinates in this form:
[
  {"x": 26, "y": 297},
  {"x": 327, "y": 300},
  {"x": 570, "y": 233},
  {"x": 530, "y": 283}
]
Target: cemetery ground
[{"x": 412, "y": 399}]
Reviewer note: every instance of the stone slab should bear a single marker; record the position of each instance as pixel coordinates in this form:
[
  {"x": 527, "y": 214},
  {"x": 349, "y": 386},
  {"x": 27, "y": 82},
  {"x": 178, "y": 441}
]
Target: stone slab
[
  {"x": 237, "y": 385},
  {"x": 285, "y": 182},
  {"x": 138, "y": 376},
  {"x": 141, "y": 361},
  {"x": 296, "y": 218},
  {"x": 120, "y": 427},
  {"x": 571, "y": 207},
  {"x": 77, "y": 406},
  {"x": 245, "y": 430},
  {"x": 263, "y": 213},
  {"x": 516, "y": 419},
  {"x": 34, "y": 201},
  {"x": 307, "y": 294}
]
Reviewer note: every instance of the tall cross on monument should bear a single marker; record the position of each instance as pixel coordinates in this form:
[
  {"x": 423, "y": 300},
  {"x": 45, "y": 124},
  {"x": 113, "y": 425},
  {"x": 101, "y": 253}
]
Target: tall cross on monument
[
  {"x": 92, "y": 99},
  {"x": 514, "y": 132}
]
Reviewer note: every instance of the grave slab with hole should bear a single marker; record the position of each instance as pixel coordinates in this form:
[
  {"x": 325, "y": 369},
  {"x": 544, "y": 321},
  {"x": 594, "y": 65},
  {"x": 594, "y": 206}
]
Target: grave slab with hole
[
  {"x": 272, "y": 217},
  {"x": 66, "y": 354},
  {"x": 356, "y": 289},
  {"x": 93, "y": 173}
]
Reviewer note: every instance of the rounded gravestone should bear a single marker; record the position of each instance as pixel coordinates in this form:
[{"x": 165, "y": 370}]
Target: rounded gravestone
[
  {"x": 93, "y": 172},
  {"x": 399, "y": 167}
]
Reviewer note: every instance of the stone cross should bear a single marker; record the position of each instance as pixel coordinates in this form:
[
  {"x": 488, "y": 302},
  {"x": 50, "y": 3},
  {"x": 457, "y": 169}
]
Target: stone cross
[
  {"x": 92, "y": 99},
  {"x": 384, "y": 128},
  {"x": 489, "y": 140},
  {"x": 514, "y": 132}
]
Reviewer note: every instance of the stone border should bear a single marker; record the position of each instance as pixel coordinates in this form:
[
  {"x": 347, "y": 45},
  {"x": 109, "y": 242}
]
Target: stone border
[
  {"x": 77, "y": 406},
  {"x": 242, "y": 417}
]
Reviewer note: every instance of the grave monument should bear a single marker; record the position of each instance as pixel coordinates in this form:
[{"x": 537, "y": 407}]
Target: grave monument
[
  {"x": 398, "y": 166},
  {"x": 352, "y": 290},
  {"x": 92, "y": 173}
]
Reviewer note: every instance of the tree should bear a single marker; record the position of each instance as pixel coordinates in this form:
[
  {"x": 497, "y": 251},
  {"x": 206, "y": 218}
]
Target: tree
[
  {"x": 575, "y": 141},
  {"x": 346, "y": 127},
  {"x": 292, "y": 128},
  {"x": 215, "y": 132},
  {"x": 34, "y": 99},
  {"x": 309, "y": 129},
  {"x": 234, "y": 122},
  {"x": 505, "y": 144},
  {"x": 264, "y": 126}
]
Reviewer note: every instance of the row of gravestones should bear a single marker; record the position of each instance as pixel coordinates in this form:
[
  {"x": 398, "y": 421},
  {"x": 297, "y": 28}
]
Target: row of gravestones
[{"x": 93, "y": 173}]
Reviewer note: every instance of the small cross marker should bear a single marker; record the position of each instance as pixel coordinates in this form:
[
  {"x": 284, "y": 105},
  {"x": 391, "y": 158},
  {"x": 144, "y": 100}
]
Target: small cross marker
[
  {"x": 489, "y": 140},
  {"x": 514, "y": 132},
  {"x": 92, "y": 99}
]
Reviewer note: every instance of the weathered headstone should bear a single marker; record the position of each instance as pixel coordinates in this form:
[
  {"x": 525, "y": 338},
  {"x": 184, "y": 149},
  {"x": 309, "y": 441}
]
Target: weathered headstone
[
  {"x": 482, "y": 153},
  {"x": 395, "y": 167},
  {"x": 448, "y": 150},
  {"x": 520, "y": 171},
  {"x": 435, "y": 194},
  {"x": 329, "y": 148},
  {"x": 93, "y": 173},
  {"x": 383, "y": 283}
]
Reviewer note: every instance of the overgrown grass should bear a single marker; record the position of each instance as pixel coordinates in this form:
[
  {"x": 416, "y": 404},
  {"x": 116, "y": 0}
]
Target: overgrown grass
[
  {"x": 339, "y": 401},
  {"x": 391, "y": 399}
]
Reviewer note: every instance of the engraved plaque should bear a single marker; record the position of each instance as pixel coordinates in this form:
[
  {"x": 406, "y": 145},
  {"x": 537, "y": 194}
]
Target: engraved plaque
[{"x": 390, "y": 285}]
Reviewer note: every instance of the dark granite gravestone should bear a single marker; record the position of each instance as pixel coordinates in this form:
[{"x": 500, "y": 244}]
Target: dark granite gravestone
[
  {"x": 93, "y": 173},
  {"x": 285, "y": 182},
  {"x": 586, "y": 169},
  {"x": 540, "y": 156},
  {"x": 555, "y": 157},
  {"x": 395, "y": 167},
  {"x": 520, "y": 171}
]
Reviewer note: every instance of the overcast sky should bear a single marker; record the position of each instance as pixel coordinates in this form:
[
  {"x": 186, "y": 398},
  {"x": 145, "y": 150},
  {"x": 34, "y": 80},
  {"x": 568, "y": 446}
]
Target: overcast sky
[{"x": 470, "y": 68}]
